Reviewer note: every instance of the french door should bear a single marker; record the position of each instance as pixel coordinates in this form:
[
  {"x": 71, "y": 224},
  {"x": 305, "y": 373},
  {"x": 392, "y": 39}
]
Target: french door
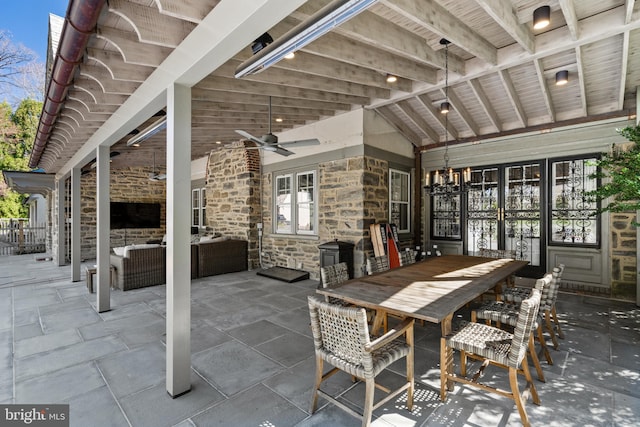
[{"x": 505, "y": 210}]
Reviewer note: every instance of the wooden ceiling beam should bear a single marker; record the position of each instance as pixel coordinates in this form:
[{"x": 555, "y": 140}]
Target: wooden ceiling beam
[
  {"x": 106, "y": 81},
  {"x": 459, "y": 108},
  {"x": 436, "y": 114},
  {"x": 581, "y": 82},
  {"x": 418, "y": 121},
  {"x": 193, "y": 11},
  {"x": 281, "y": 90},
  {"x": 379, "y": 33},
  {"x": 570, "y": 17},
  {"x": 437, "y": 19},
  {"x": 399, "y": 125},
  {"x": 501, "y": 11},
  {"x": 89, "y": 102},
  {"x": 119, "y": 70},
  {"x": 624, "y": 66},
  {"x": 131, "y": 49},
  {"x": 213, "y": 108},
  {"x": 486, "y": 105},
  {"x": 544, "y": 88},
  {"x": 337, "y": 47},
  {"x": 628, "y": 16},
  {"x": 217, "y": 95},
  {"x": 151, "y": 26},
  {"x": 309, "y": 63},
  {"x": 513, "y": 97},
  {"x": 304, "y": 80}
]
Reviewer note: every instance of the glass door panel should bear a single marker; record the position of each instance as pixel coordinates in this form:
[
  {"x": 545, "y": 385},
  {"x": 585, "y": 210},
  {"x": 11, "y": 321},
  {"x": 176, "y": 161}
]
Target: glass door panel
[
  {"x": 504, "y": 211},
  {"x": 445, "y": 220},
  {"x": 483, "y": 228},
  {"x": 522, "y": 212}
]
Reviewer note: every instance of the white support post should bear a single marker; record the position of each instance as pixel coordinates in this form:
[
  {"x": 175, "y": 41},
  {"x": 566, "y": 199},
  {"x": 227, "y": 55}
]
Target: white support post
[
  {"x": 103, "y": 230},
  {"x": 75, "y": 224},
  {"x": 178, "y": 242},
  {"x": 59, "y": 256}
]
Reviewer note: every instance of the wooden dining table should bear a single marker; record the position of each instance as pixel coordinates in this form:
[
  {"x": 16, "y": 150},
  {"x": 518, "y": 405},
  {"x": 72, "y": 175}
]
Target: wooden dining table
[{"x": 431, "y": 289}]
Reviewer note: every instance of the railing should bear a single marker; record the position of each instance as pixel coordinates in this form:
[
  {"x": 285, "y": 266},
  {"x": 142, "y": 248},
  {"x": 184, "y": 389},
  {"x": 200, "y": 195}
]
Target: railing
[{"x": 17, "y": 236}]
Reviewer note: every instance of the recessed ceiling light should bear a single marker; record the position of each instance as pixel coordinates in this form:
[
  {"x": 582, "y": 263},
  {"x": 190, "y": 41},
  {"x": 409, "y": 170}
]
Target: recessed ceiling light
[
  {"x": 279, "y": 119},
  {"x": 541, "y": 17},
  {"x": 562, "y": 77},
  {"x": 290, "y": 55},
  {"x": 391, "y": 78}
]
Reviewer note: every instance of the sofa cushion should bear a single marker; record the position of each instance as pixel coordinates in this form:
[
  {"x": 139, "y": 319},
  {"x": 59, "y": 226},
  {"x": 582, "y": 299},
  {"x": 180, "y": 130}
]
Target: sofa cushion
[
  {"x": 119, "y": 251},
  {"x": 138, "y": 246},
  {"x": 217, "y": 237}
]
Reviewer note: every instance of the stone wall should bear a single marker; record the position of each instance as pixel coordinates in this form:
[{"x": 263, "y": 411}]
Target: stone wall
[
  {"x": 623, "y": 255},
  {"x": 127, "y": 185},
  {"x": 233, "y": 196},
  {"x": 353, "y": 194}
]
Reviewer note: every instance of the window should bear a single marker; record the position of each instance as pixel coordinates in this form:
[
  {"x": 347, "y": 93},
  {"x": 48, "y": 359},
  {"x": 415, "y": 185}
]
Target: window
[
  {"x": 295, "y": 207},
  {"x": 573, "y": 220},
  {"x": 198, "y": 207},
  {"x": 399, "y": 200}
]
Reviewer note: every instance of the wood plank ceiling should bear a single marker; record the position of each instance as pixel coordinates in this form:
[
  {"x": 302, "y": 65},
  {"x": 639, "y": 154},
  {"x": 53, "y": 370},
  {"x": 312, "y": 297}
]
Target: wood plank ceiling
[{"x": 501, "y": 79}]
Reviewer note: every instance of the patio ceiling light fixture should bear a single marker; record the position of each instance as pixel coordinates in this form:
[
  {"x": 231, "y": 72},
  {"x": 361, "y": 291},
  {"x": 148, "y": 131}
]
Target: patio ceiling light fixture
[
  {"x": 541, "y": 17},
  {"x": 321, "y": 22},
  {"x": 446, "y": 183},
  {"x": 147, "y": 133},
  {"x": 562, "y": 77}
]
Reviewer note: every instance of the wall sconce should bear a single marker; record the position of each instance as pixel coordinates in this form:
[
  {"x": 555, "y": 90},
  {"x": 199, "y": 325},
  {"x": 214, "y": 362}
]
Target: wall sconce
[
  {"x": 562, "y": 77},
  {"x": 541, "y": 17}
]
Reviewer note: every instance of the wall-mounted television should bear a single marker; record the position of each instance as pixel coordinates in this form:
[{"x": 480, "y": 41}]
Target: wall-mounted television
[{"x": 135, "y": 215}]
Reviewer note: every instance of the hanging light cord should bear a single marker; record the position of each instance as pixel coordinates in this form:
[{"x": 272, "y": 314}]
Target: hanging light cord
[{"x": 446, "y": 116}]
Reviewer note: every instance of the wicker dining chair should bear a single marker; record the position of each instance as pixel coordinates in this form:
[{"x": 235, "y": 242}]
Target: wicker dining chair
[
  {"x": 509, "y": 281},
  {"x": 550, "y": 324},
  {"x": 377, "y": 264},
  {"x": 332, "y": 276},
  {"x": 407, "y": 257},
  {"x": 341, "y": 338},
  {"x": 497, "y": 347},
  {"x": 506, "y": 314}
]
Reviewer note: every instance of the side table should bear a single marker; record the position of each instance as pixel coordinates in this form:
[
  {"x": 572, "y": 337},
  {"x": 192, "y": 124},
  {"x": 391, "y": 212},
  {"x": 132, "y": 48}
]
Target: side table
[{"x": 90, "y": 271}]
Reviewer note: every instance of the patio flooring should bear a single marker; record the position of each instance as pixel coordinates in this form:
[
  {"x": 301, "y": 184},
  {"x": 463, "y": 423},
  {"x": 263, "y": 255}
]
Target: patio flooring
[{"x": 253, "y": 363}]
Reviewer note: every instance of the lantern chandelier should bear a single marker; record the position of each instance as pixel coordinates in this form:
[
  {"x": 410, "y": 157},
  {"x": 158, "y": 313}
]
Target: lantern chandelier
[{"x": 445, "y": 181}]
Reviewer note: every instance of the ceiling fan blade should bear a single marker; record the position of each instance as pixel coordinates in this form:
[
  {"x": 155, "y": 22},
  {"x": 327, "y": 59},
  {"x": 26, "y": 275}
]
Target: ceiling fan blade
[
  {"x": 302, "y": 142},
  {"x": 250, "y": 137},
  {"x": 282, "y": 151}
]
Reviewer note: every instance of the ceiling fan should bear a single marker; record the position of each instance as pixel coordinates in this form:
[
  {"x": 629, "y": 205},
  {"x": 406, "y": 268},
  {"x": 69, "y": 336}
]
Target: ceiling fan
[
  {"x": 155, "y": 176},
  {"x": 269, "y": 142}
]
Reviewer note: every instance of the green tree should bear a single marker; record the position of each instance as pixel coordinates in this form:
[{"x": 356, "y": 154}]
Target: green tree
[
  {"x": 620, "y": 170},
  {"x": 17, "y": 133}
]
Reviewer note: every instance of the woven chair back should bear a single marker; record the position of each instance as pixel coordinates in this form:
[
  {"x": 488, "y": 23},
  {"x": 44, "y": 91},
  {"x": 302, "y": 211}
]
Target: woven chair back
[
  {"x": 526, "y": 321},
  {"x": 407, "y": 257},
  {"x": 377, "y": 264},
  {"x": 333, "y": 275},
  {"x": 341, "y": 331}
]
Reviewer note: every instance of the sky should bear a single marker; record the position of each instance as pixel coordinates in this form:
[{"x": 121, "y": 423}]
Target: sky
[{"x": 28, "y": 22}]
